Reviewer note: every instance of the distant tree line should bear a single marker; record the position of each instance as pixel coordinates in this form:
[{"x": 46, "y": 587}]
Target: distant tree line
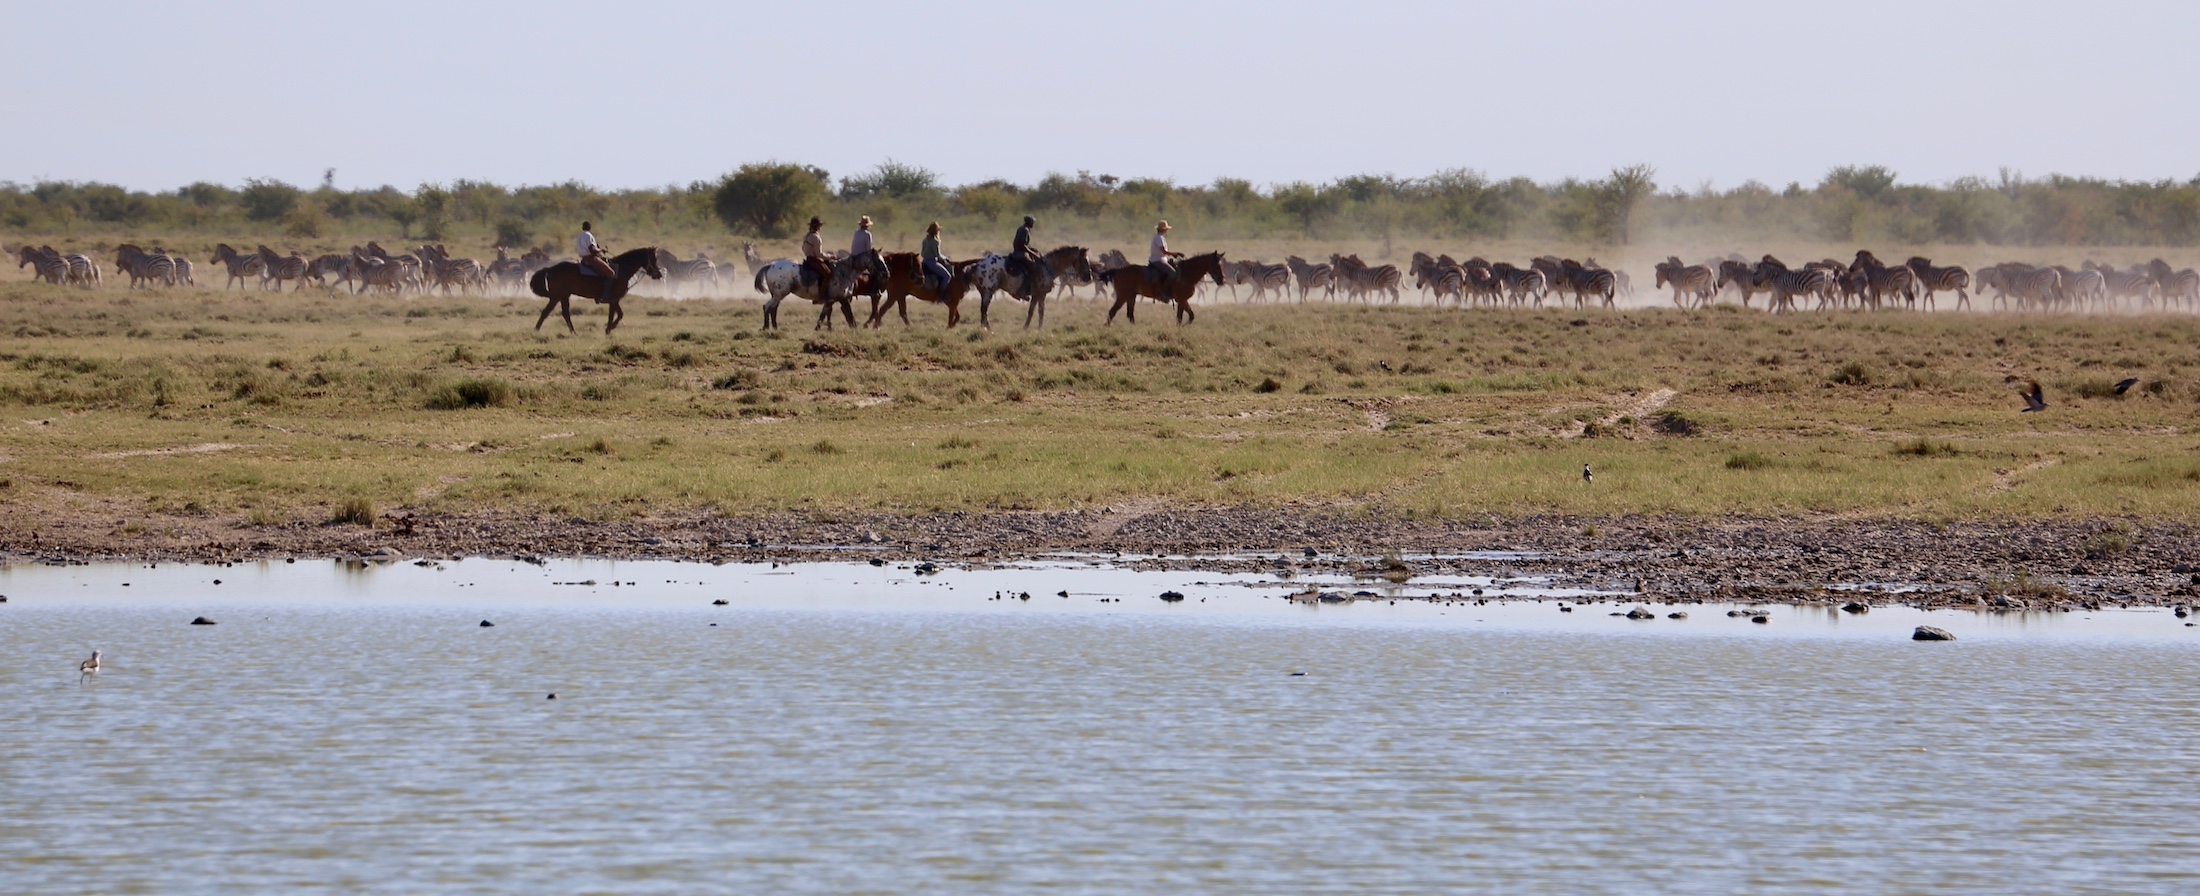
[{"x": 774, "y": 199}]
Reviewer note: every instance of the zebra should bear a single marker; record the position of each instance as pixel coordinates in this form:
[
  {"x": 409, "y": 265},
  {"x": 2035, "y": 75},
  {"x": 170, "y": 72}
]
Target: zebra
[
  {"x": 1687, "y": 280},
  {"x": 1482, "y": 282},
  {"x": 1361, "y": 280},
  {"x": 321, "y": 268},
  {"x": 1310, "y": 275},
  {"x": 83, "y": 271},
  {"x": 374, "y": 272},
  {"x": 183, "y": 268},
  {"x": 240, "y": 265},
  {"x": 1584, "y": 281},
  {"x": 699, "y": 269},
  {"x": 1267, "y": 277},
  {"x": 1930, "y": 279},
  {"x": 2181, "y": 286},
  {"x": 144, "y": 267},
  {"x": 2084, "y": 286},
  {"x": 2022, "y": 283},
  {"x": 274, "y": 269},
  {"x": 1885, "y": 280},
  {"x": 45, "y": 264},
  {"x": 1743, "y": 277},
  {"x": 1442, "y": 279},
  {"x": 1785, "y": 284},
  {"x": 1521, "y": 284}
]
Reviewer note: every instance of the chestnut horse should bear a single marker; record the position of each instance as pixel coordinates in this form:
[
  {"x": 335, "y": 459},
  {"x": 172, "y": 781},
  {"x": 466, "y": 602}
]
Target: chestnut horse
[
  {"x": 905, "y": 278},
  {"x": 1130, "y": 284},
  {"x": 562, "y": 281}
]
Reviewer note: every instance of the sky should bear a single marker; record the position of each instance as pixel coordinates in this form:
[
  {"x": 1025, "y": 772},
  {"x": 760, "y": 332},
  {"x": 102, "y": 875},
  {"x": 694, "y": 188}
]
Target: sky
[{"x": 644, "y": 94}]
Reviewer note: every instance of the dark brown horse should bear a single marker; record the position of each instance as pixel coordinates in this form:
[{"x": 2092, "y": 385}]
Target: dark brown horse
[
  {"x": 905, "y": 278},
  {"x": 562, "y": 281},
  {"x": 1130, "y": 284}
]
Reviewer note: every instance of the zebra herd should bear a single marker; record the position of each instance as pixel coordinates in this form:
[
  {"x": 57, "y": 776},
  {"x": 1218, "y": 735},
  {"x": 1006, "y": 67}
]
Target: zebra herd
[
  {"x": 1868, "y": 283},
  {"x": 428, "y": 267}
]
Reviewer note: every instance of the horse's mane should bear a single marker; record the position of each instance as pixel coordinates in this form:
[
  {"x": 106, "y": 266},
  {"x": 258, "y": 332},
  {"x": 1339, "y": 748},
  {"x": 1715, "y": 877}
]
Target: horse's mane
[{"x": 636, "y": 255}]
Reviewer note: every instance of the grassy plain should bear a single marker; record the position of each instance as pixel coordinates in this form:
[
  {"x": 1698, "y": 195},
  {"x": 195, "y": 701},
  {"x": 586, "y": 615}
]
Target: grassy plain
[{"x": 262, "y": 409}]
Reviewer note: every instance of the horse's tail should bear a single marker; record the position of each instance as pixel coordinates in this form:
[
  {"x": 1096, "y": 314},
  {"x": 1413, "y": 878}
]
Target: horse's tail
[
  {"x": 540, "y": 283},
  {"x": 759, "y": 284}
]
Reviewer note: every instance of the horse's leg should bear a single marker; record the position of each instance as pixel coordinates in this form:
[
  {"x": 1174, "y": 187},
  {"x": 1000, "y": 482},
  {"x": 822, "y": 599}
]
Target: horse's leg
[
  {"x": 954, "y": 312},
  {"x": 546, "y": 306},
  {"x": 612, "y": 319},
  {"x": 985, "y": 305},
  {"x": 848, "y": 310},
  {"x": 565, "y": 310}
]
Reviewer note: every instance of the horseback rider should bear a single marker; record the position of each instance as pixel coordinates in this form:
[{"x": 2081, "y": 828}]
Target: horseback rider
[
  {"x": 1160, "y": 262},
  {"x": 1023, "y": 261},
  {"x": 861, "y": 244},
  {"x": 936, "y": 274},
  {"x": 813, "y": 255},
  {"x": 592, "y": 254}
]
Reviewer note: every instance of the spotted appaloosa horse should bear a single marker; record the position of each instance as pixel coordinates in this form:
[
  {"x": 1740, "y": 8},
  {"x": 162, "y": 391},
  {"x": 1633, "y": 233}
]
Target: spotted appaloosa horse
[{"x": 990, "y": 275}]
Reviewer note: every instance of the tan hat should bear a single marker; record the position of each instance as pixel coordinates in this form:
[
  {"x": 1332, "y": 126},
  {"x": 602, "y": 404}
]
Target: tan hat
[
  {"x": 864, "y": 221},
  {"x": 933, "y": 227},
  {"x": 1162, "y": 227}
]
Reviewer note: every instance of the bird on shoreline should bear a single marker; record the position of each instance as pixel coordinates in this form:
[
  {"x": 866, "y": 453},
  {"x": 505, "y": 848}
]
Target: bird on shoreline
[
  {"x": 90, "y": 666},
  {"x": 2034, "y": 399},
  {"x": 1587, "y": 476}
]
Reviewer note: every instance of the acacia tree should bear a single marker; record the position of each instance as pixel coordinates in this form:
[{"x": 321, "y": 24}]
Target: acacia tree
[{"x": 769, "y": 198}]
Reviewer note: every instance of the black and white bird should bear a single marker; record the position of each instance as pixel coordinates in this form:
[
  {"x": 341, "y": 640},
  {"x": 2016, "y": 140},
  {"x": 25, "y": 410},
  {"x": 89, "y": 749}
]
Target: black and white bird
[
  {"x": 1587, "y": 476},
  {"x": 2034, "y": 399},
  {"x": 2125, "y": 385},
  {"x": 89, "y": 666}
]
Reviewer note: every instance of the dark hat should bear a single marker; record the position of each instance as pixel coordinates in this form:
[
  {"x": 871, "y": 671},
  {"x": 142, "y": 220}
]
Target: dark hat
[
  {"x": 816, "y": 221},
  {"x": 584, "y": 225},
  {"x": 1029, "y": 220}
]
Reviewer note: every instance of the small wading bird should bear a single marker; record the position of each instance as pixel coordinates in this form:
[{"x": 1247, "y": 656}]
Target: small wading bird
[
  {"x": 1587, "y": 476},
  {"x": 2034, "y": 400},
  {"x": 2125, "y": 385},
  {"x": 90, "y": 666}
]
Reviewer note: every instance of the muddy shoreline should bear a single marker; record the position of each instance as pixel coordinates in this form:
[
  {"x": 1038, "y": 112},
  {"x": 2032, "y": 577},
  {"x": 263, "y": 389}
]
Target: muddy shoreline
[{"x": 2029, "y": 564}]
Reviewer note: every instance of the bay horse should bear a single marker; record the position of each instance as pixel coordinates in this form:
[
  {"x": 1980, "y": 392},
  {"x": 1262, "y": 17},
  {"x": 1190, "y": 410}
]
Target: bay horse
[
  {"x": 905, "y": 278},
  {"x": 1130, "y": 284},
  {"x": 562, "y": 281},
  {"x": 991, "y": 275},
  {"x": 851, "y": 276}
]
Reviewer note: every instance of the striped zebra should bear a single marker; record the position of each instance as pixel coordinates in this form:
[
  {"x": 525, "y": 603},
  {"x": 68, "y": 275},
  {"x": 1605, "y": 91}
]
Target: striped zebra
[
  {"x": 1554, "y": 276},
  {"x": 1522, "y": 285},
  {"x": 147, "y": 268},
  {"x": 2022, "y": 285},
  {"x": 1585, "y": 281},
  {"x": 1620, "y": 284},
  {"x": 1482, "y": 283},
  {"x": 2135, "y": 285},
  {"x": 274, "y": 269},
  {"x": 184, "y": 276},
  {"x": 239, "y": 265},
  {"x": 2181, "y": 286},
  {"x": 1442, "y": 279},
  {"x": 1953, "y": 278},
  {"x": 1785, "y": 284},
  {"x": 2083, "y": 287},
  {"x": 1743, "y": 277},
  {"x": 699, "y": 270},
  {"x": 83, "y": 271},
  {"x": 1310, "y": 276},
  {"x": 45, "y": 264},
  {"x": 1268, "y": 278},
  {"x": 321, "y": 268},
  {"x": 381, "y": 273},
  {"x": 1885, "y": 281},
  {"x": 1687, "y": 280},
  {"x": 1360, "y": 280}
]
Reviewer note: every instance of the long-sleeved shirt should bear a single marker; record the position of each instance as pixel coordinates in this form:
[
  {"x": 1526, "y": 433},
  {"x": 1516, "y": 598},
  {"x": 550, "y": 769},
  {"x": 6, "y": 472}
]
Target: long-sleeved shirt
[
  {"x": 930, "y": 251},
  {"x": 813, "y": 245},
  {"x": 1160, "y": 249},
  {"x": 585, "y": 244},
  {"x": 1023, "y": 240},
  {"x": 861, "y": 243}
]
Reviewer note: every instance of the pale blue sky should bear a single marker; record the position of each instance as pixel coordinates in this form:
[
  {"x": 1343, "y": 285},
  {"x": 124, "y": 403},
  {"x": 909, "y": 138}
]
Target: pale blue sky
[{"x": 622, "y": 94}]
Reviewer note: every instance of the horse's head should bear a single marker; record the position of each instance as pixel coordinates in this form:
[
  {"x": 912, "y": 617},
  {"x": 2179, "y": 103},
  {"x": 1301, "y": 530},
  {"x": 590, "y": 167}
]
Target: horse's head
[{"x": 1216, "y": 271}]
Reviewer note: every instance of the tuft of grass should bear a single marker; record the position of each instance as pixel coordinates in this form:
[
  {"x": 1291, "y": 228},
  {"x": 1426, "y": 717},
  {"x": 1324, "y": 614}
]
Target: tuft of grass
[
  {"x": 355, "y": 510},
  {"x": 1676, "y": 423},
  {"x": 1853, "y": 373},
  {"x": 1747, "y": 460},
  {"x": 1924, "y": 447},
  {"x": 474, "y": 393},
  {"x": 1268, "y": 385},
  {"x": 826, "y": 447}
]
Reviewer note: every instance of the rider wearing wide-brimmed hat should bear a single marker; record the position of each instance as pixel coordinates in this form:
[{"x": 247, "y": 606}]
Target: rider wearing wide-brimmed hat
[
  {"x": 1022, "y": 259},
  {"x": 1160, "y": 262},
  {"x": 813, "y": 254}
]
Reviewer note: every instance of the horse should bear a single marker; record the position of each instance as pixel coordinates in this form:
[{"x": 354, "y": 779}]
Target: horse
[
  {"x": 991, "y": 275},
  {"x": 905, "y": 278},
  {"x": 562, "y": 281},
  {"x": 852, "y": 275},
  {"x": 1130, "y": 284}
]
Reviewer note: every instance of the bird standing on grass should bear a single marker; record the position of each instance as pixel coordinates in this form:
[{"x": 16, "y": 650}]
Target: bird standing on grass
[
  {"x": 1587, "y": 476},
  {"x": 2034, "y": 399}
]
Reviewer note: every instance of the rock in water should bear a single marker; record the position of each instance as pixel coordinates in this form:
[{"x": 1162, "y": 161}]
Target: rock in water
[
  {"x": 1856, "y": 607},
  {"x": 1172, "y": 596},
  {"x": 1676, "y": 615},
  {"x": 201, "y": 620},
  {"x": 1761, "y": 620},
  {"x": 1931, "y": 633},
  {"x": 487, "y": 624},
  {"x": 1641, "y": 613}
]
